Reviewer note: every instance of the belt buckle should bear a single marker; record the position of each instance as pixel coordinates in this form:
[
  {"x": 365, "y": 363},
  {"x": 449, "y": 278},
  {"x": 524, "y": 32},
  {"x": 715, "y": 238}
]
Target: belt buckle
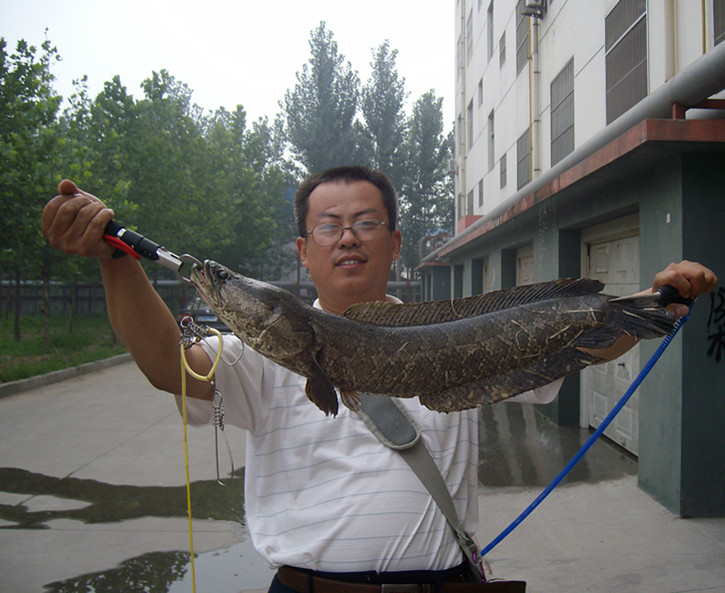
[{"x": 412, "y": 588}]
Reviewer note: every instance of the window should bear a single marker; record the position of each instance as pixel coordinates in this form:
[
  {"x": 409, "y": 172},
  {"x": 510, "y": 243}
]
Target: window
[
  {"x": 480, "y": 92},
  {"x": 489, "y": 30},
  {"x": 718, "y": 16},
  {"x": 502, "y": 171},
  {"x": 491, "y": 136},
  {"x": 459, "y": 57},
  {"x": 502, "y": 50},
  {"x": 562, "y": 113},
  {"x": 523, "y": 158},
  {"x": 522, "y": 38},
  {"x": 469, "y": 37},
  {"x": 469, "y": 126},
  {"x": 469, "y": 203},
  {"x": 625, "y": 34},
  {"x": 480, "y": 193}
]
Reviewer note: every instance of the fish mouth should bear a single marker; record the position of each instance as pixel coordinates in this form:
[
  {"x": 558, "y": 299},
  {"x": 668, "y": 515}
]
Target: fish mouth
[{"x": 208, "y": 279}]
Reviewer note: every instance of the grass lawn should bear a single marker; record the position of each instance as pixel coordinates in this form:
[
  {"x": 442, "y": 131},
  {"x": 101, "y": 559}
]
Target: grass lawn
[{"x": 91, "y": 339}]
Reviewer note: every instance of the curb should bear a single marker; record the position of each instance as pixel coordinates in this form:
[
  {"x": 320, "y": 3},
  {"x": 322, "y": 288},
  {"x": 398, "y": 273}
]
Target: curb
[{"x": 13, "y": 387}]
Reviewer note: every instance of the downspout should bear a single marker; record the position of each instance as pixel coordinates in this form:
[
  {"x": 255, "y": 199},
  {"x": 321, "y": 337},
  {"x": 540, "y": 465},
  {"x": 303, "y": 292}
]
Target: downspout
[
  {"x": 704, "y": 28},
  {"x": 464, "y": 116},
  {"x": 670, "y": 40},
  {"x": 534, "y": 100},
  {"x": 699, "y": 81}
]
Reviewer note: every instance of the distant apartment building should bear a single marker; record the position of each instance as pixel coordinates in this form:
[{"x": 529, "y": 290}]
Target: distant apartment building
[{"x": 590, "y": 141}]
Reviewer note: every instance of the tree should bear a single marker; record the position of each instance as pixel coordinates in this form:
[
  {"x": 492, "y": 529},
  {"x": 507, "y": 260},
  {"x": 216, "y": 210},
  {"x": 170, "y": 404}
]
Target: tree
[
  {"x": 321, "y": 108},
  {"x": 383, "y": 99},
  {"x": 245, "y": 167},
  {"x": 426, "y": 190},
  {"x": 28, "y": 106}
]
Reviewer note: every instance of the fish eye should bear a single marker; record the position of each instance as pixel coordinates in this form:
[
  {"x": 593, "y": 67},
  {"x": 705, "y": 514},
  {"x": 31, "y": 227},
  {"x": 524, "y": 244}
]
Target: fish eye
[{"x": 222, "y": 274}]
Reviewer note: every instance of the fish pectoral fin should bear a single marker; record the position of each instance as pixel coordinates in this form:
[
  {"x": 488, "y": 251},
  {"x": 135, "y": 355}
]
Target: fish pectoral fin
[
  {"x": 350, "y": 399},
  {"x": 320, "y": 391}
]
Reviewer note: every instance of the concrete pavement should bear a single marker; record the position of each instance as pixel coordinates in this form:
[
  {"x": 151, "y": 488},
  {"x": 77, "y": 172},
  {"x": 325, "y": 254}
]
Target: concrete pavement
[{"x": 92, "y": 498}]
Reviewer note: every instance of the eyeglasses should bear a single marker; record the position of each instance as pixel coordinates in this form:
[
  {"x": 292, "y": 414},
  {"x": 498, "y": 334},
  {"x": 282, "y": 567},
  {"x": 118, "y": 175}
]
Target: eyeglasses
[{"x": 326, "y": 235}]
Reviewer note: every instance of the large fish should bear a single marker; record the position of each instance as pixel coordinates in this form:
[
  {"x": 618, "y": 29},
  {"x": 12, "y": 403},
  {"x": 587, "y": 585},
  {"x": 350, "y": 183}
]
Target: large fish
[{"x": 454, "y": 355}]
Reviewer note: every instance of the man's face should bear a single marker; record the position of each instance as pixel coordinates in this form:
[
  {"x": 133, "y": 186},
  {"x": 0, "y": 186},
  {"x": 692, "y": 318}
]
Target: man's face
[{"x": 350, "y": 271}]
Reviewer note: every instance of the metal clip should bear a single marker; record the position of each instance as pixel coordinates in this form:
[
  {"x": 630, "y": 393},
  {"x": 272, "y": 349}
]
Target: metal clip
[
  {"x": 192, "y": 332},
  {"x": 218, "y": 403},
  {"x": 187, "y": 259}
]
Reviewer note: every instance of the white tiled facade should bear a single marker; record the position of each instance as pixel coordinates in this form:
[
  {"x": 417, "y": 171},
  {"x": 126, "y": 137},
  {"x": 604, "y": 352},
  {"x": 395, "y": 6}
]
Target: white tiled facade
[{"x": 498, "y": 101}]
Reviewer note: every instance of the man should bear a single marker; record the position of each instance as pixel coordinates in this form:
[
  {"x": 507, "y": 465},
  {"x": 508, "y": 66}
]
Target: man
[{"x": 322, "y": 493}]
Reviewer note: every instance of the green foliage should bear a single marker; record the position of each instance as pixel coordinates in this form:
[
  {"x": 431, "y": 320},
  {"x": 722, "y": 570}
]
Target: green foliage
[
  {"x": 28, "y": 141},
  {"x": 210, "y": 184},
  {"x": 383, "y": 102},
  {"x": 321, "y": 108},
  {"x": 92, "y": 339},
  {"x": 426, "y": 186}
]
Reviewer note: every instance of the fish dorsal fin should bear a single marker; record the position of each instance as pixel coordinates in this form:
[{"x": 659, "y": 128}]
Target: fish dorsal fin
[{"x": 429, "y": 312}]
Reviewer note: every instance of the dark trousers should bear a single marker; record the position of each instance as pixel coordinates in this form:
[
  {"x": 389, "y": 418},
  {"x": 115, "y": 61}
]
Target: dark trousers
[
  {"x": 455, "y": 574},
  {"x": 277, "y": 587}
]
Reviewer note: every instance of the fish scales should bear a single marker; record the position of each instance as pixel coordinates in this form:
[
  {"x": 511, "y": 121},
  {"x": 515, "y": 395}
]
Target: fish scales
[{"x": 452, "y": 354}]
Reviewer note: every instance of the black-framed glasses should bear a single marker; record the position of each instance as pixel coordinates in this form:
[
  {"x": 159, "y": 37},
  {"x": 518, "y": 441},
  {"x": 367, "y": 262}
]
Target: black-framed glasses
[{"x": 329, "y": 233}]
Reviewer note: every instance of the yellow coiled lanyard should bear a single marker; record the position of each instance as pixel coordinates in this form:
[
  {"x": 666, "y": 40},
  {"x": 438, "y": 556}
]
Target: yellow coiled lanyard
[{"x": 185, "y": 368}]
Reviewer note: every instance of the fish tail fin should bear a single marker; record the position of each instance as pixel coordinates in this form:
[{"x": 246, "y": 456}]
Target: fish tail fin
[{"x": 641, "y": 319}]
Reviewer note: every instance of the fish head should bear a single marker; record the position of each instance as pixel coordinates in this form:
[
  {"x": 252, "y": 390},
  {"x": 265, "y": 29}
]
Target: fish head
[{"x": 269, "y": 319}]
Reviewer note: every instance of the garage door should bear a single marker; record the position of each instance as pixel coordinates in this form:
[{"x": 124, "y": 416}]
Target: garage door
[
  {"x": 525, "y": 265},
  {"x": 612, "y": 255}
]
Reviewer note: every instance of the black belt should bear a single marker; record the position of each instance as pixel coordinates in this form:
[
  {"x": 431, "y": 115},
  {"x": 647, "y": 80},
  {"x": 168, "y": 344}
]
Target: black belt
[{"x": 305, "y": 581}]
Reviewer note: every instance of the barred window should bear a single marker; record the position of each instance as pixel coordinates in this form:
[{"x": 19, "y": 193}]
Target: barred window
[
  {"x": 491, "y": 143},
  {"x": 502, "y": 171},
  {"x": 489, "y": 30},
  {"x": 469, "y": 37},
  {"x": 522, "y": 38},
  {"x": 625, "y": 33},
  {"x": 469, "y": 125},
  {"x": 718, "y": 13},
  {"x": 562, "y": 113},
  {"x": 523, "y": 158}
]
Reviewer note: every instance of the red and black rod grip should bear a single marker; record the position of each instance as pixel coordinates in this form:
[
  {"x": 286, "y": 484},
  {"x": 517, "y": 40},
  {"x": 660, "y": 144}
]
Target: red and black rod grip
[{"x": 130, "y": 242}]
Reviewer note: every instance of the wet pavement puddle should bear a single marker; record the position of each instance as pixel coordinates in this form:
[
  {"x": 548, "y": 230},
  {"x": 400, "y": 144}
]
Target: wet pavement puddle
[
  {"x": 517, "y": 446},
  {"x": 33, "y": 501}
]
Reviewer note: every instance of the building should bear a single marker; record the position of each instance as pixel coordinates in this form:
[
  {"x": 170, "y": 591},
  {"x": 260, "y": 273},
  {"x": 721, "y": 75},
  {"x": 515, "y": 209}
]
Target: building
[{"x": 590, "y": 141}]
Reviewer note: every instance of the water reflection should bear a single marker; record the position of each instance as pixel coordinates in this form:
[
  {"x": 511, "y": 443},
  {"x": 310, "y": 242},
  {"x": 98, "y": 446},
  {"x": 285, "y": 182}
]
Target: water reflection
[
  {"x": 153, "y": 572},
  {"x": 519, "y": 446},
  {"x": 107, "y": 503},
  {"x": 234, "y": 569},
  {"x": 231, "y": 570}
]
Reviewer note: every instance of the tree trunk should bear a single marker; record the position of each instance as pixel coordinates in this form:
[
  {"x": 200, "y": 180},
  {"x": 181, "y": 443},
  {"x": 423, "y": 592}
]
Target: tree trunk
[
  {"x": 16, "y": 321},
  {"x": 45, "y": 307},
  {"x": 73, "y": 303}
]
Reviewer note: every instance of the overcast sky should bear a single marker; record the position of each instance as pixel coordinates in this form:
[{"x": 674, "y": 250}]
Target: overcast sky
[{"x": 234, "y": 52}]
